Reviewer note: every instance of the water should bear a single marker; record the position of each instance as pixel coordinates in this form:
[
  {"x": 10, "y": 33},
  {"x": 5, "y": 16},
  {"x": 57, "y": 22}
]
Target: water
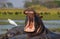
[
  {"x": 52, "y": 23},
  {"x": 48, "y": 24},
  {"x": 13, "y": 20}
]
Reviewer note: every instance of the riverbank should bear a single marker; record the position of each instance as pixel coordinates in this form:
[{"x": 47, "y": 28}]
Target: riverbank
[{"x": 51, "y": 16}]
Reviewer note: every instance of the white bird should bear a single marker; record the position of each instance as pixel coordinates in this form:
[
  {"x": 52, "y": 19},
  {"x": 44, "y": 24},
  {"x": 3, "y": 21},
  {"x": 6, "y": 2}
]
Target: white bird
[{"x": 12, "y": 22}]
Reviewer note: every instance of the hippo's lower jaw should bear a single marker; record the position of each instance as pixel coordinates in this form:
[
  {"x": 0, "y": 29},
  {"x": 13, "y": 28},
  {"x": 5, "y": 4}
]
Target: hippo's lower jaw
[{"x": 29, "y": 30}]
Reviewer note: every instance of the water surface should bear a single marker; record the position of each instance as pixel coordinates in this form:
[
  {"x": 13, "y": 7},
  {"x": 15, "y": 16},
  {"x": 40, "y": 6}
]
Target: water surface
[{"x": 47, "y": 23}]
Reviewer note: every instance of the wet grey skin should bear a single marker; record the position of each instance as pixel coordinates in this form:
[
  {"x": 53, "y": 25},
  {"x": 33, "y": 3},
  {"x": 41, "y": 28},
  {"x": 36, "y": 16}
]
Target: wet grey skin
[{"x": 40, "y": 32}]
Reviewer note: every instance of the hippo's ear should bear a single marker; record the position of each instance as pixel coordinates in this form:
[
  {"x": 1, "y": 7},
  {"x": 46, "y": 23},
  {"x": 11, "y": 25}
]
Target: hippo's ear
[
  {"x": 41, "y": 16},
  {"x": 24, "y": 12}
]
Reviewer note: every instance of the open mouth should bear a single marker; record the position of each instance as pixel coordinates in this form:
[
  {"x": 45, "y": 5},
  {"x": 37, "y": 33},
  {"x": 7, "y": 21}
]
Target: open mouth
[{"x": 30, "y": 26}]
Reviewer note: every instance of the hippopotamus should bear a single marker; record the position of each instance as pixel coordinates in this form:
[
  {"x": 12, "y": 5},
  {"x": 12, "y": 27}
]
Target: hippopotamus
[{"x": 33, "y": 28}]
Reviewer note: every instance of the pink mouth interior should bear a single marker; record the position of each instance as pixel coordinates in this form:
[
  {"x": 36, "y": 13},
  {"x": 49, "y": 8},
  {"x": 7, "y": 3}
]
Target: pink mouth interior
[{"x": 29, "y": 27}]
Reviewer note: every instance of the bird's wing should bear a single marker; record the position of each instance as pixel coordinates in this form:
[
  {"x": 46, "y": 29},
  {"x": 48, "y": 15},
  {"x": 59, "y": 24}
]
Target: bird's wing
[{"x": 12, "y": 22}]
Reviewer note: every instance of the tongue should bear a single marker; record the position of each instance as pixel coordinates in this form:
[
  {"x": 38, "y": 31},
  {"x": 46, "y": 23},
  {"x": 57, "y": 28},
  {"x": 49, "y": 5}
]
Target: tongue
[{"x": 29, "y": 27}]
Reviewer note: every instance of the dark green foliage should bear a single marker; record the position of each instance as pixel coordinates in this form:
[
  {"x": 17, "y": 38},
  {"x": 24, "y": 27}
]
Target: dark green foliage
[
  {"x": 16, "y": 13},
  {"x": 10, "y": 13},
  {"x": 27, "y": 4},
  {"x": 46, "y": 13},
  {"x": 58, "y": 2},
  {"x": 4, "y": 13},
  {"x": 41, "y": 13}
]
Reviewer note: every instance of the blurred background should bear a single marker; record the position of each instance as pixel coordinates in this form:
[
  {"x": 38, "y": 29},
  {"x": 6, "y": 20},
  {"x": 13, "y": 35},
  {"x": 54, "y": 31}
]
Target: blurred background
[
  {"x": 28, "y": 3},
  {"x": 13, "y": 9}
]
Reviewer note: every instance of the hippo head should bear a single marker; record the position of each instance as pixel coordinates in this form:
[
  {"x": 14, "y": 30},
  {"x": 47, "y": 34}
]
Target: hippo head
[
  {"x": 30, "y": 25},
  {"x": 33, "y": 22}
]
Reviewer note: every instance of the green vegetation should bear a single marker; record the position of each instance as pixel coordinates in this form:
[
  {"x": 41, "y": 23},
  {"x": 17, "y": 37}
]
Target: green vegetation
[
  {"x": 12, "y": 14},
  {"x": 16, "y": 17},
  {"x": 17, "y": 14},
  {"x": 49, "y": 16},
  {"x": 57, "y": 2},
  {"x": 48, "y": 4}
]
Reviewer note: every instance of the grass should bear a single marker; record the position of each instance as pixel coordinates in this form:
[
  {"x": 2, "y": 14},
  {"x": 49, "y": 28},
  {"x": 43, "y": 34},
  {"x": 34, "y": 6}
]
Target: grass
[
  {"x": 53, "y": 16},
  {"x": 53, "y": 13},
  {"x": 16, "y": 17}
]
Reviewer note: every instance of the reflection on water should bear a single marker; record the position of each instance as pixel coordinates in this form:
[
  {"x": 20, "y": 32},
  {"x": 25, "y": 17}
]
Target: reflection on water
[
  {"x": 52, "y": 23},
  {"x": 48, "y": 24},
  {"x": 13, "y": 20},
  {"x": 2, "y": 27}
]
